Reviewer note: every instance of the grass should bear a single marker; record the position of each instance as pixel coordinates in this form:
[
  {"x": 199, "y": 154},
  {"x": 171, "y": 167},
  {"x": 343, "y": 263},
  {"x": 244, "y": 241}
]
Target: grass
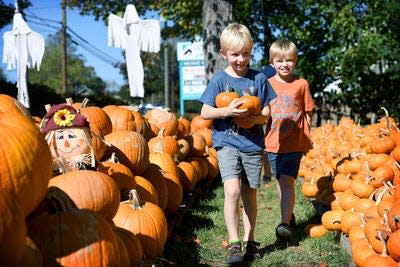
[{"x": 200, "y": 237}]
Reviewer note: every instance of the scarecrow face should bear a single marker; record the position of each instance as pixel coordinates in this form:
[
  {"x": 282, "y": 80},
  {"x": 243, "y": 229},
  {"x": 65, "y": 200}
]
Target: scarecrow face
[{"x": 68, "y": 143}]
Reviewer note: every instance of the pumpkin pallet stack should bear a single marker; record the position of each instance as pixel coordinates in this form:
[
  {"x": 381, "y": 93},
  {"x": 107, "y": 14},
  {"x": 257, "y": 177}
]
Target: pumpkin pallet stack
[
  {"x": 118, "y": 213},
  {"x": 354, "y": 171}
]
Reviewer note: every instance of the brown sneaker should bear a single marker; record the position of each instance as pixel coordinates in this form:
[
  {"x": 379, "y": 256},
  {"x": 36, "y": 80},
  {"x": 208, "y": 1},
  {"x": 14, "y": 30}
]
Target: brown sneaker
[
  {"x": 234, "y": 254},
  {"x": 251, "y": 250}
]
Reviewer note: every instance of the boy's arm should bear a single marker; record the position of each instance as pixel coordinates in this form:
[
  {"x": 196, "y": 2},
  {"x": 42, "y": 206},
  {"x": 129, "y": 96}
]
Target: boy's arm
[
  {"x": 208, "y": 112},
  {"x": 264, "y": 116}
]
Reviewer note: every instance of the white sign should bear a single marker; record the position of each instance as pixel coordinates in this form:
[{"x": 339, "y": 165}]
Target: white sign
[
  {"x": 192, "y": 74},
  {"x": 193, "y": 77},
  {"x": 189, "y": 51}
]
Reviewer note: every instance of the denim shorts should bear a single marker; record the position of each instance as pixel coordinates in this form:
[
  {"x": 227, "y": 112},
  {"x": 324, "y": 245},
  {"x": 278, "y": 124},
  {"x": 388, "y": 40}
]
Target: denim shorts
[
  {"x": 285, "y": 163},
  {"x": 240, "y": 165}
]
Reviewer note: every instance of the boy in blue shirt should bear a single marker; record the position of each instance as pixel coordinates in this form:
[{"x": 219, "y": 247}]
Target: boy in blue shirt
[{"x": 239, "y": 150}]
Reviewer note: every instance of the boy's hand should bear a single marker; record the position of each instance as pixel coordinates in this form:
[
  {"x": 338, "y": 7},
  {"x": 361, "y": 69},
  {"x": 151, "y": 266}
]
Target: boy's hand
[
  {"x": 234, "y": 109},
  {"x": 259, "y": 119}
]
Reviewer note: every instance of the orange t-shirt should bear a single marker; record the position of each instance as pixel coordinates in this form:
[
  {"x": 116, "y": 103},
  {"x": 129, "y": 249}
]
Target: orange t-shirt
[{"x": 288, "y": 130}]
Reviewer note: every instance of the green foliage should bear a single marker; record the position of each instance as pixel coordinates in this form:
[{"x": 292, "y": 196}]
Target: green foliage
[
  {"x": 7, "y": 11},
  {"x": 39, "y": 96},
  {"x": 82, "y": 80},
  {"x": 355, "y": 41}
]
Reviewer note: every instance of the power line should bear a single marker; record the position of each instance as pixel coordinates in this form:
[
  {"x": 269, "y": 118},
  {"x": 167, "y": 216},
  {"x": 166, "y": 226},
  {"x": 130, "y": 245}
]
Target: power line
[{"x": 78, "y": 40}]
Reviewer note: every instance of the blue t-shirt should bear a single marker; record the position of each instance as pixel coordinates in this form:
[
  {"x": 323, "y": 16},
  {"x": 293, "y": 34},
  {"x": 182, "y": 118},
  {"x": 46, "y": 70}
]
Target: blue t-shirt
[
  {"x": 225, "y": 131},
  {"x": 269, "y": 71}
]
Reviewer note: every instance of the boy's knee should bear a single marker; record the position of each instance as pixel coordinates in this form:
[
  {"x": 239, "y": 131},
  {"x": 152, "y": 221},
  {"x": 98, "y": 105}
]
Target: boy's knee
[{"x": 232, "y": 193}]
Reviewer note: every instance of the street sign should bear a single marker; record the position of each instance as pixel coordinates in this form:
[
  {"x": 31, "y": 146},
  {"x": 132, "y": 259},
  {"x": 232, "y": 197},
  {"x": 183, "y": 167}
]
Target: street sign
[{"x": 192, "y": 76}]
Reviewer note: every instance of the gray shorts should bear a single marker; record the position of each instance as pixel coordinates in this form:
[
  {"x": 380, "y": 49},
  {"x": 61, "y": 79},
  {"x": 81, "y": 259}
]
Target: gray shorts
[{"x": 240, "y": 165}]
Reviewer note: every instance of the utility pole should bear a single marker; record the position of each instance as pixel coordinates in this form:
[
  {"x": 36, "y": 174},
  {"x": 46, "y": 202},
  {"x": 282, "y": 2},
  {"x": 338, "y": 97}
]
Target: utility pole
[
  {"x": 64, "y": 47},
  {"x": 166, "y": 89}
]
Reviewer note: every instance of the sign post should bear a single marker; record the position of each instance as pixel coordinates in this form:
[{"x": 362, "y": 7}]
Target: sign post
[{"x": 192, "y": 76}]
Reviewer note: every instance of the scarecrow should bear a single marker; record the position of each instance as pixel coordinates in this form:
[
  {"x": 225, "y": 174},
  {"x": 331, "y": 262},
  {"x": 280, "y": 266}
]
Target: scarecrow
[{"x": 68, "y": 134}]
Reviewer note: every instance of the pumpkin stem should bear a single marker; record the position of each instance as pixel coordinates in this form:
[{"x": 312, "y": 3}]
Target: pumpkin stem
[
  {"x": 47, "y": 107},
  {"x": 382, "y": 236},
  {"x": 396, "y": 218},
  {"x": 388, "y": 125},
  {"x": 385, "y": 220},
  {"x": 227, "y": 87},
  {"x": 84, "y": 102},
  {"x": 161, "y": 132},
  {"x": 134, "y": 199},
  {"x": 69, "y": 101},
  {"x": 397, "y": 164}
]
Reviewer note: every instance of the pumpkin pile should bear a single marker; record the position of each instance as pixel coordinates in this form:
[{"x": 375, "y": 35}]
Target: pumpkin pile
[
  {"x": 114, "y": 215},
  {"x": 354, "y": 171}
]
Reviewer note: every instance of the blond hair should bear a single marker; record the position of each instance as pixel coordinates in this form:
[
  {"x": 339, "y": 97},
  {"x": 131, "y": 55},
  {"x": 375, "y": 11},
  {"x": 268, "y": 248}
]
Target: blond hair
[
  {"x": 281, "y": 48},
  {"x": 236, "y": 37}
]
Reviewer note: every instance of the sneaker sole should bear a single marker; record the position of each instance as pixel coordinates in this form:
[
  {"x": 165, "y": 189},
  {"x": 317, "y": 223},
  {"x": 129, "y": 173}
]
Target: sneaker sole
[{"x": 235, "y": 260}]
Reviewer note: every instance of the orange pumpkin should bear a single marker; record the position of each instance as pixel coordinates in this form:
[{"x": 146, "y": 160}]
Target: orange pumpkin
[
  {"x": 120, "y": 174},
  {"x": 166, "y": 144},
  {"x": 393, "y": 245},
  {"x": 147, "y": 221},
  {"x": 52, "y": 232},
  {"x": 153, "y": 174},
  {"x": 10, "y": 104},
  {"x": 97, "y": 116},
  {"x": 251, "y": 103},
  {"x": 349, "y": 219},
  {"x": 146, "y": 190},
  {"x": 130, "y": 148},
  {"x": 187, "y": 175},
  {"x": 223, "y": 99},
  {"x": 331, "y": 219},
  {"x": 121, "y": 119},
  {"x": 96, "y": 191},
  {"x": 162, "y": 119},
  {"x": 384, "y": 144},
  {"x": 197, "y": 144},
  {"x": 184, "y": 127},
  {"x": 198, "y": 122},
  {"x": 170, "y": 172},
  {"x": 315, "y": 230},
  {"x": 26, "y": 162}
]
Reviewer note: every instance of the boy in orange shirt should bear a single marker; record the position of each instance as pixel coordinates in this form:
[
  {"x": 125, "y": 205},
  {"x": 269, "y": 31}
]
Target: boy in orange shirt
[{"x": 288, "y": 130}]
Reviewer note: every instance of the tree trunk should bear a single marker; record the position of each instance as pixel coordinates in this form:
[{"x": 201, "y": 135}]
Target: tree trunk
[{"x": 217, "y": 14}]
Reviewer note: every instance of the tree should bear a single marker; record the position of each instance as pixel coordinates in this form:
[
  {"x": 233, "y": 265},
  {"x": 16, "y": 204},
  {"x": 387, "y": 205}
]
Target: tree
[
  {"x": 2, "y": 76},
  {"x": 354, "y": 41},
  {"x": 216, "y": 16},
  {"x": 7, "y": 11}
]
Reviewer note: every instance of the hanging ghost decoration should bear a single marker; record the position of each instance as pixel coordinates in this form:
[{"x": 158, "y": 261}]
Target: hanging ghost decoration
[{"x": 134, "y": 35}]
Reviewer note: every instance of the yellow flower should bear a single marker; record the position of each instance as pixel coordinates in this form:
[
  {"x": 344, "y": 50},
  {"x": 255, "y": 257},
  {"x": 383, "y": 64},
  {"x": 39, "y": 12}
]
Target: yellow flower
[{"x": 64, "y": 117}]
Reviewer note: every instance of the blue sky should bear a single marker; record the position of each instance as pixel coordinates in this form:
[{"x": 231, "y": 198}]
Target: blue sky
[{"x": 42, "y": 17}]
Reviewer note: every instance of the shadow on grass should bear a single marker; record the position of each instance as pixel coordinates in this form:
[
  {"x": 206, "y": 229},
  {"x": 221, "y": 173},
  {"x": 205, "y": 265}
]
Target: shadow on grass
[
  {"x": 297, "y": 236},
  {"x": 181, "y": 248}
]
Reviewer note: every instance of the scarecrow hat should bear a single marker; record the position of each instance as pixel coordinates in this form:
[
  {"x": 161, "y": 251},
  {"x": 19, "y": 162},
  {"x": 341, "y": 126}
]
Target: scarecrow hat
[{"x": 63, "y": 116}]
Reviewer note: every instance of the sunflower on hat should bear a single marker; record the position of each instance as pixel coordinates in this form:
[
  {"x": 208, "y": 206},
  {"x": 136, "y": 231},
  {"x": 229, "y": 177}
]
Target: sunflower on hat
[{"x": 64, "y": 117}]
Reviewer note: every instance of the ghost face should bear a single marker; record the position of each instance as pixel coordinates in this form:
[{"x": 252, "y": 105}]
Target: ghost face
[{"x": 69, "y": 143}]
